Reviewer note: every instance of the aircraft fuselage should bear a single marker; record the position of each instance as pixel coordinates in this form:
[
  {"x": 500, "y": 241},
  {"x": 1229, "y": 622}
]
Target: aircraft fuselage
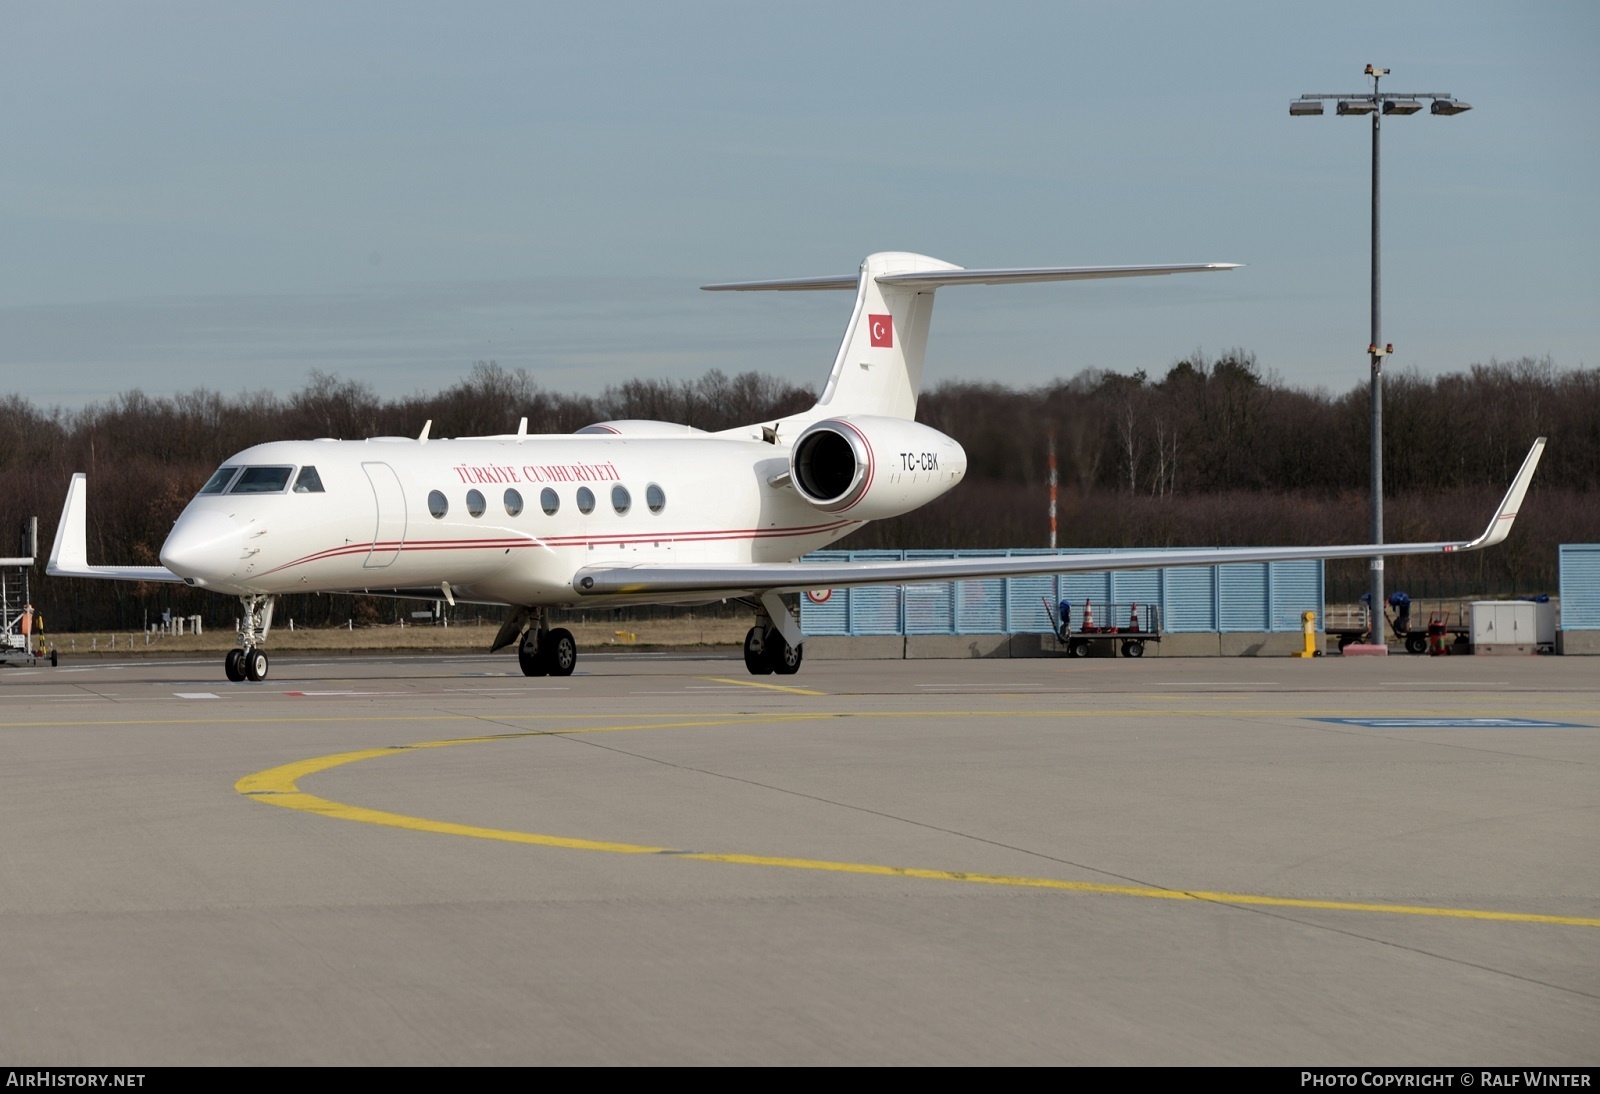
[{"x": 499, "y": 520}]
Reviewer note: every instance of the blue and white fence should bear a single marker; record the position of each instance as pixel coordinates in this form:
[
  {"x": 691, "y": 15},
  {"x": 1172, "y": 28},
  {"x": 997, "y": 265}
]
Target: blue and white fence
[
  {"x": 1580, "y": 586},
  {"x": 1247, "y": 597}
]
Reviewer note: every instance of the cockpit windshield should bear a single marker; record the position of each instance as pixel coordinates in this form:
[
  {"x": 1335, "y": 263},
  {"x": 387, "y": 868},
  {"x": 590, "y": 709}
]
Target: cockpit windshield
[
  {"x": 219, "y": 480},
  {"x": 262, "y": 480},
  {"x": 308, "y": 481}
]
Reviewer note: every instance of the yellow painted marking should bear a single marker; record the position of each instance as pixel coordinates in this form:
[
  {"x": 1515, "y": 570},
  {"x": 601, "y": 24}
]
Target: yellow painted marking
[
  {"x": 278, "y": 786},
  {"x": 755, "y": 684}
]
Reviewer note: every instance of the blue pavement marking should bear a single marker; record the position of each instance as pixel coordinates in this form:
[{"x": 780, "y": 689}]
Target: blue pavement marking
[{"x": 1454, "y": 723}]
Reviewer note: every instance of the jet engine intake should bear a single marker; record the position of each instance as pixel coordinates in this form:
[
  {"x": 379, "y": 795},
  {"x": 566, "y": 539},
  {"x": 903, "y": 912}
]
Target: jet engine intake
[{"x": 872, "y": 467}]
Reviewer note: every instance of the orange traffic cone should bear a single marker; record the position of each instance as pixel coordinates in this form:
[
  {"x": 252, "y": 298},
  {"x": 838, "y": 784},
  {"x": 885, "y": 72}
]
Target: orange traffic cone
[
  {"x": 1088, "y": 616},
  {"x": 1133, "y": 618}
]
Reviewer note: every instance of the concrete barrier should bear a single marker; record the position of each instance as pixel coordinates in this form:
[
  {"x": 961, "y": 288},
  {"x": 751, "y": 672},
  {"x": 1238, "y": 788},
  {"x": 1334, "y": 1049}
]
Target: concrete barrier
[
  {"x": 872, "y": 647},
  {"x": 1579, "y": 643},
  {"x": 957, "y": 645},
  {"x": 969, "y": 646}
]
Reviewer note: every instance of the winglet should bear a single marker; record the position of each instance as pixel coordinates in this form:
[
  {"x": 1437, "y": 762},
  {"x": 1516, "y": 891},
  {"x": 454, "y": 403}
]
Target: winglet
[
  {"x": 1500, "y": 527},
  {"x": 69, "y": 555}
]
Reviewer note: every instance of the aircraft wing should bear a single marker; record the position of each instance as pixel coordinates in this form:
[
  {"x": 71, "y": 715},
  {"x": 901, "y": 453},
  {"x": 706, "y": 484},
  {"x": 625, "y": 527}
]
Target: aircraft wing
[
  {"x": 762, "y": 578},
  {"x": 69, "y": 556}
]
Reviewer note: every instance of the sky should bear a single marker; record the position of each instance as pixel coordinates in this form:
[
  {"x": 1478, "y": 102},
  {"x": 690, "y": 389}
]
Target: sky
[{"x": 230, "y": 196}]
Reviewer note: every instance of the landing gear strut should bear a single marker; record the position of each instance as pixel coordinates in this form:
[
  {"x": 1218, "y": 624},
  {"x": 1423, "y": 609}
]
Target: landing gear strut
[
  {"x": 546, "y": 652},
  {"x": 247, "y": 662}
]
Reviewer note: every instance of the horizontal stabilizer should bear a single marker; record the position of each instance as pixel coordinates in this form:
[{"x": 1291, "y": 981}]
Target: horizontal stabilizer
[
  {"x": 69, "y": 556},
  {"x": 933, "y": 279}
]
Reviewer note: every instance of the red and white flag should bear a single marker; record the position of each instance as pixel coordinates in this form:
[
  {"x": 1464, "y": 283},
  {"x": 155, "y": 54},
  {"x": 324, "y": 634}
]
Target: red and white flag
[{"x": 882, "y": 330}]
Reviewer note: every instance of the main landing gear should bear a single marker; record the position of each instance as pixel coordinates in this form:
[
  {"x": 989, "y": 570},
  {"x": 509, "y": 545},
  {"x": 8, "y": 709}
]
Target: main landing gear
[
  {"x": 766, "y": 652},
  {"x": 543, "y": 651},
  {"x": 765, "y": 649},
  {"x": 248, "y": 662}
]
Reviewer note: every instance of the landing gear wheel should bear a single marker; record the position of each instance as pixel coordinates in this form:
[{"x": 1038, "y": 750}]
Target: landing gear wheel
[
  {"x": 1078, "y": 647},
  {"x": 559, "y": 652},
  {"x": 233, "y": 665},
  {"x": 1133, "y": 647},
  {"x": 532, "y": 662},
  {"x": 1416, "y": 643},
  {"x": 785, "y": 659},
  {"x": 255, "y": 665},
  {"x": 756, "y": 657}
]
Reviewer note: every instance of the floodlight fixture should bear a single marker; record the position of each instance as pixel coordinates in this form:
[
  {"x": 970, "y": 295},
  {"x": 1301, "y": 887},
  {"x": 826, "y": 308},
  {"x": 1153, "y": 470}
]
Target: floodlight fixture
[
  {"x": 1302, "y": 107},
  {"x": 1401, "y": 106},
  {"x": 1357, "y": 106},
  {"x": 1449, "y": 106}
]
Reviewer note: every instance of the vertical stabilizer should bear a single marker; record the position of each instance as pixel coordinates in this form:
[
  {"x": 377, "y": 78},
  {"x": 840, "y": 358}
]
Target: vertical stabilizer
[
  {"x": 879, "y": 366},
  {"x": 878, "y": 369}
]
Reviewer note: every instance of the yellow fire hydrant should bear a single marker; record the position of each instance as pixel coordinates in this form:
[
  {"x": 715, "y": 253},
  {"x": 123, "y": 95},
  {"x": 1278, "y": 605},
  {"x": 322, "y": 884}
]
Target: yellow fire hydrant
[{"x": 1308, "y": 620}]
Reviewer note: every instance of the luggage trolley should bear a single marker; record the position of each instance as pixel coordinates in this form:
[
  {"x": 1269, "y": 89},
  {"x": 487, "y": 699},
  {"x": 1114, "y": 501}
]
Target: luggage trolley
[{"x": 1129, "y": 626}]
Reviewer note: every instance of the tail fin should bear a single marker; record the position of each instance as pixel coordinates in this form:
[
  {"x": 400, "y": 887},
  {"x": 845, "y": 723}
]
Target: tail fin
[{"x": 878, "y": 369}]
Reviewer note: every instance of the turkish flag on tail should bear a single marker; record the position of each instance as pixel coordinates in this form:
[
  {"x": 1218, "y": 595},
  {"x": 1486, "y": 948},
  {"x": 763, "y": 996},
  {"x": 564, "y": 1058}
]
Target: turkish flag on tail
[{"x": 882, "y": 330}]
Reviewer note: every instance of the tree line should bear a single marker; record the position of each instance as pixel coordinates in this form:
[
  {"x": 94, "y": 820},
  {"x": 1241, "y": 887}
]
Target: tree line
[{"x": 1214, "y": 452}]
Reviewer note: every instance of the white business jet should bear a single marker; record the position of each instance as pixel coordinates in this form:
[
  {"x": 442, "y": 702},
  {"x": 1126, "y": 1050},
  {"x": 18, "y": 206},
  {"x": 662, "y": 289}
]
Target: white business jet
[{"x": 631, "y": 512}]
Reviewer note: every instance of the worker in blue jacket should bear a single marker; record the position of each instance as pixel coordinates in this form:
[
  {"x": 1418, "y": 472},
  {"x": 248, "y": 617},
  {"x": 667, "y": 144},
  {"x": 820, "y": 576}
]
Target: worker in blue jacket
[
  {"x": 1401, "y": 603},
  {"x": 1064, "y": 618}
]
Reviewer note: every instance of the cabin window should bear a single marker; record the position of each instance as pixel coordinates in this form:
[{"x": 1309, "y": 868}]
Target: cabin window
[
  {"x": 475, "y": 503},
  {"x": 438, "y": 504},
  {"x": 549, "y": 501},
  {"x": 585, "y": 500},
  {"x": 513, "y": 503},
  {"x": 621, "y": 501},
  {"x": 219, "y": 480},
  {"x": 261, "y": 480},
  {"x": 655, "y": 498},
  {"x": 308, "y": 481}
]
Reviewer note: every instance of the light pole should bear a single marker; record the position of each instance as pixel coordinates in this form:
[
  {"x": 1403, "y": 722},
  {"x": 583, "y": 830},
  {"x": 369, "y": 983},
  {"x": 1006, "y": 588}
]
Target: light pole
[{"x": 1377, "y": 104}]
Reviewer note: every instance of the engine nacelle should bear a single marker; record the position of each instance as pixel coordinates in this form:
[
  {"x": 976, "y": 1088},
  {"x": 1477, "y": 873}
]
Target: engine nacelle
[
  {"x": 871, "y": 467},
  {"x": 640, "y": 427}
]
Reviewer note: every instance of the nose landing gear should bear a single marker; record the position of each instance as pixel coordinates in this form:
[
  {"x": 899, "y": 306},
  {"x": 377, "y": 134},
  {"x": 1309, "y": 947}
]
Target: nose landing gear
[{"x": 248, "y": 662}]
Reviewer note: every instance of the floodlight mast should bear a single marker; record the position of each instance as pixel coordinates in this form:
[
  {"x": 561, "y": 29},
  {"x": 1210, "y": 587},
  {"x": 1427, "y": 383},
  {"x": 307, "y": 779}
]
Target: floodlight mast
[{"x": 1377, "y": 104}]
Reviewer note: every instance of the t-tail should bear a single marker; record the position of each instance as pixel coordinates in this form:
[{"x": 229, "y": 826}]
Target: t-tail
[{"x": 878, "y": 369}]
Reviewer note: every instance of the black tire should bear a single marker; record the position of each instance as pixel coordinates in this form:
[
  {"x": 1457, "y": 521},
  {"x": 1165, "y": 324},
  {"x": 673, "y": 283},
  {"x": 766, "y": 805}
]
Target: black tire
[
  {"x": 1133, "y": 647},
  {"x": 1416, "y": 643},
  {"x": 532, "y": 662},
  {"x": 233, "y": 666},
  {"x": 1078, "y": 647},
  {"x": 560, "y": 652},
  {"x": 53, "y": 659},
  {"x": 755, "y": 652},
  {"x": 785, "y": 658},
  {"x": 256, "y": 665},
  {"x": 1345, "y": 640}
]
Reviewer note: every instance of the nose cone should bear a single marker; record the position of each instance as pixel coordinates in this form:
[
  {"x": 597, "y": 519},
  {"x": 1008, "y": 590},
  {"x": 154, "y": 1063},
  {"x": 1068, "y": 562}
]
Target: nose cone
[{"x": 204, "y": 546}]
